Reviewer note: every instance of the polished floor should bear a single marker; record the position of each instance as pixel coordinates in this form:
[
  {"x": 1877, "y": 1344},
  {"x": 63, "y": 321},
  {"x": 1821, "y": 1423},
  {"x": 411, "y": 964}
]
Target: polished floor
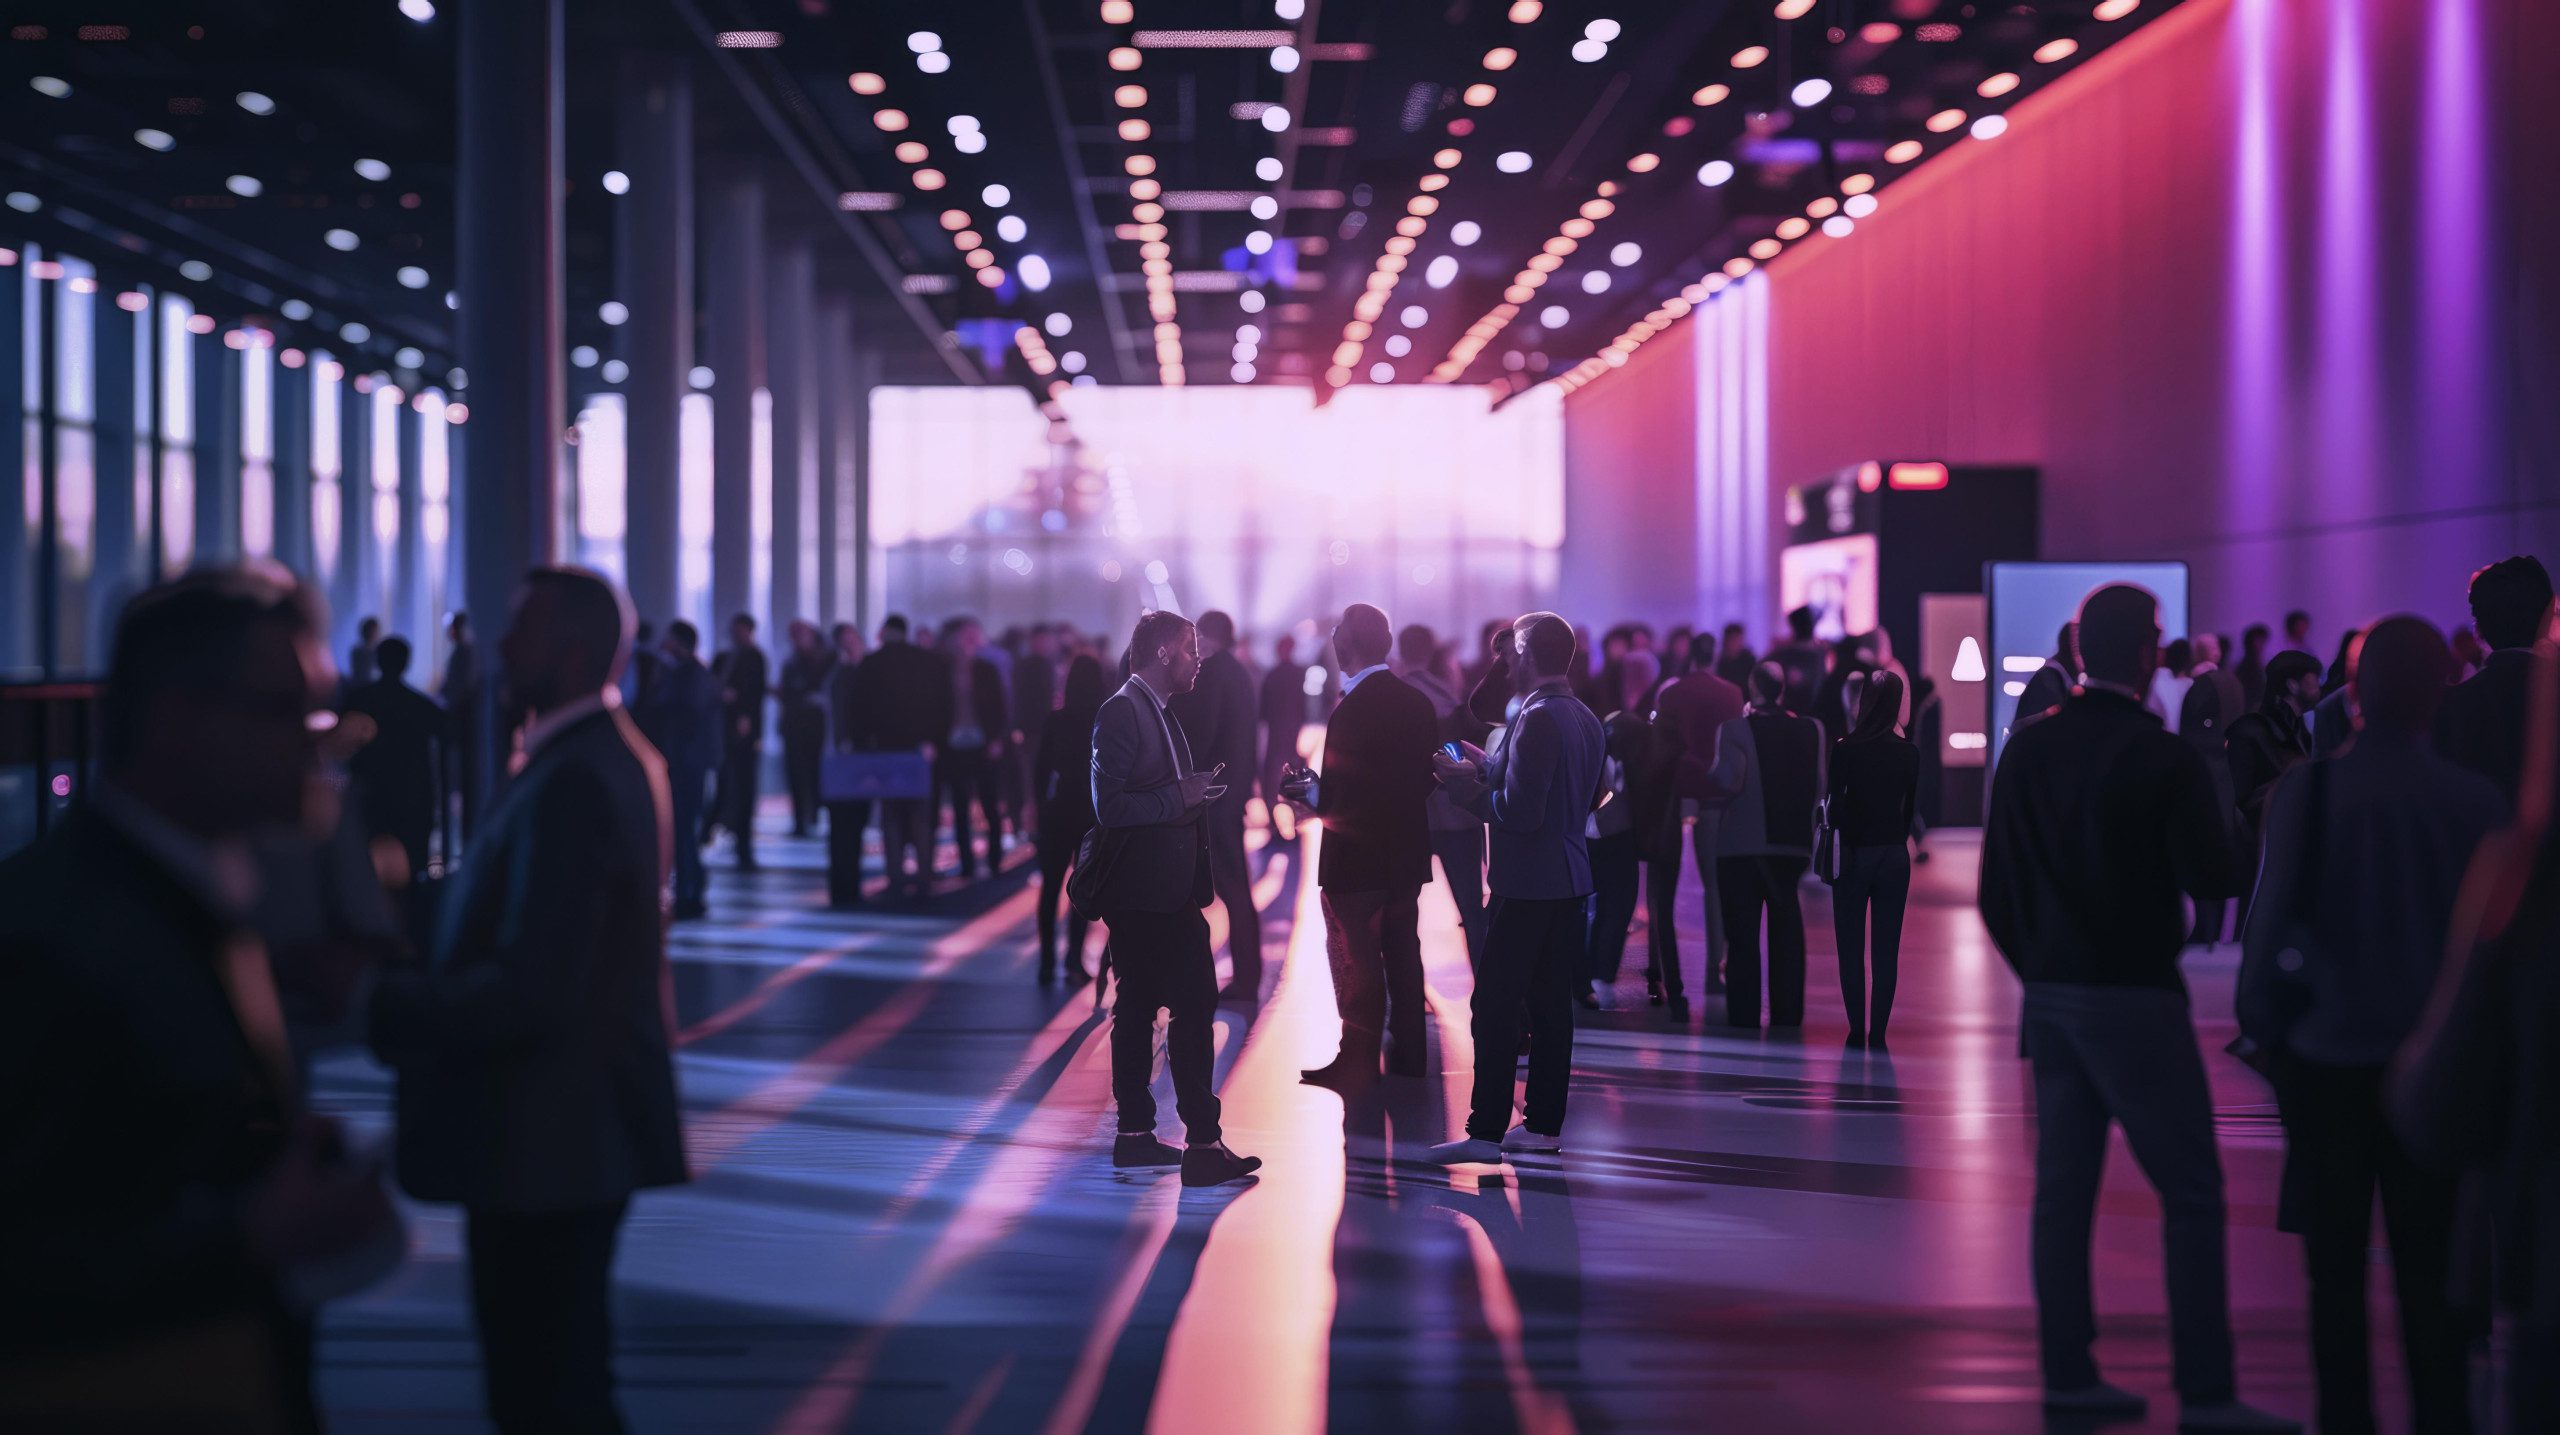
[{"x": 905, "y": 1218}]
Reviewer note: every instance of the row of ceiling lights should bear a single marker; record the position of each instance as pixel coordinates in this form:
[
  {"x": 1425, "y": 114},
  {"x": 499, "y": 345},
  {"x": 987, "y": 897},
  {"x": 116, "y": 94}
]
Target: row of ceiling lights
[
  {"x": 1146, "y": 211},
  {"x": 1837, "y": 215}
]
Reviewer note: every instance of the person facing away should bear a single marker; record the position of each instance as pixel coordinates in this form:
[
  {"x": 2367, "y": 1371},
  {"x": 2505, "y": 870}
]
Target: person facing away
[
  {"x": 2213, "y": 703},
  {"x": 1152, "y": 800},
  {"x": 1804, "y": 659},
  {"x": 162, "y": 1187},
  {"x": 2099, "y": 823},
  {"x": 2331, "y": 723},
  {"x": 973, "y": 735},
  {"x": 1217, "y": 715},
  {"x": 800, "y": 702},
  {"x": 1283, "y": 713},
  {"x": 2483, "y": 722},
  {"x": 1734, "y": 659},
  {"x": 465, "y": 694},
  {"x": 2365, "y": 855},
  {"x": 536, "y": 1085},
  {"x": 1769, "y": 778},
  {"x": 1457, "y": 835},
  {"x": 1688, "y": 715},
  {"x": 1535, "y": 794},
  {"x": 1875, "y": 794},
  {"x": 681, "y": 719},
  {"x": 743, "y": 683},
  {"x": 2297, "y": 633},
  {"x": 2050, "y": 684},
  {"x": 845, "y": 820},
  {"x": 2264, "y": 743},
  {"x": 1373, "y": 783},
  {"x": 398, "y": 776},
  {"x": 904, "y": 696},
  {"x": 2169, "y": 686},
  {"x": 2251, "y": 669},
  {"x": 361, "y": 666},
  {"x": 1062, "y": 792}
]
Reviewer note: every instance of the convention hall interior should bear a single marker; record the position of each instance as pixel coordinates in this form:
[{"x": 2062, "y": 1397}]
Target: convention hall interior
[{"x": 1227, "y": 715}]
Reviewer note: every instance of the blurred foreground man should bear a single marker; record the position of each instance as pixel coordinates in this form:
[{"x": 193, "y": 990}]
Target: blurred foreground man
[
  {"x": 536, "y": 1087},
  {"x": 2099, "y": 820},
  {"x": 169, "y": 1215}
]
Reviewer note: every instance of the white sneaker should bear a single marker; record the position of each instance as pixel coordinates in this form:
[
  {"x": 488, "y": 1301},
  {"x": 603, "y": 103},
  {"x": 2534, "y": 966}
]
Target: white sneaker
[
  {"x": 1522, "y": 1140},
  {"x": 1465, "y": 1151}
]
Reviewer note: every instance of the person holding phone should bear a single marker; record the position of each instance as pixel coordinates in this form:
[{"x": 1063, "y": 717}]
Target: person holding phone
[{"x": 1376, "y": 855}]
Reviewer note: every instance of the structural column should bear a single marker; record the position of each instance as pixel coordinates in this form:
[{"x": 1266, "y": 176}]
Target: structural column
[
  {"x": 870, "y": 584},
  {"x": 359, "y": 567},
  {"x": 509, "y": 227},
  {"x": 217, "y": 468},
  {"x": 654, "y": 279},
  {"x": 734, "y": 260},
  {"x": 792, "y": 376},
  {"x": 18, "y": 602},
  {"x": 834, "y": 387},
  {"x": 409, "y": 616},
  {"x": 117, "y": 569}
]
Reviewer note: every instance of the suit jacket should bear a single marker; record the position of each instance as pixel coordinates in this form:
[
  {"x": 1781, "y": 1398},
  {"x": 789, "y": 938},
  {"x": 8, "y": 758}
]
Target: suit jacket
[
  {"x": 1693, "y": 709},
  {"x": 1771, "y": 769},
  {"x": 139, "y": 1110},
  {"x": 1217, "y": 715},
  {"x": 1139, "y": 758},
  {"x": 1376, "y": 787},
  {"x": 1541, "y": 788},
  {"x": 2481, "y": 725},
  {"x": 681, "y": 718},
  {"x": 534, "y": 1072},
  {"x": 802, "y": 694},
  {"x": 742, "y": 675},
  {"x": 398, "y": 776},
  {"x": 905, "y": 694}
]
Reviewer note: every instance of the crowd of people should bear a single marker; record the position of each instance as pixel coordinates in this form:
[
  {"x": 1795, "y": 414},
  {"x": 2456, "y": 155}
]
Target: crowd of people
[{"x": 2380, "y": 823}]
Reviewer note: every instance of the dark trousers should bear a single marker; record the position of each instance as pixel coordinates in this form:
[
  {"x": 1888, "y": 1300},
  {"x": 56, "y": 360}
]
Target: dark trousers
[
  {"x": 845, "y": 821},
  {"x": 1614, "y": 873},
  {"x": 684, "y": 806},
  {"x": 906, "y": 830},
  {"x": 542, "y": 1294},
  {"x": 735, "y": 807},
  {"x": 2125, "y": 1055},
  {"x": 1533, "y": 955},
  {"x": 965, "y": 776},
  {"x": 1163, "y": 962},
  {"x": 804, "y": 740},
  {"x": 1057, "y": 855},
  {"x": 1877, "y": 881},
  {"x": 1747, "y": 887},
  {"x": 2339, "y": 1152},
  {"x": 1373, "y": 943},
  {"x": 1233, "y": 883},
  {"x": 467, "y": 766},
  {"x": 1662, "y": 927},
  {"x": 1703, "y": 837},
  {"x": 1461, "y": 854}
]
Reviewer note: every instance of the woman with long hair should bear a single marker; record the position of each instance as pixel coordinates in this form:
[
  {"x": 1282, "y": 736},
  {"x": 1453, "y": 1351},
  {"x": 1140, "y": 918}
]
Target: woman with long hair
[
  {"x": 1875, "y": 785},
  {"x": 1061, "y": 783}
]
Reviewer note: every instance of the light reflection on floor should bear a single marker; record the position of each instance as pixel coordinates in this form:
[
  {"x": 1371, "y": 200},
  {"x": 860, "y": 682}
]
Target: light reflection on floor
[{"x": 906, "y": 1217}]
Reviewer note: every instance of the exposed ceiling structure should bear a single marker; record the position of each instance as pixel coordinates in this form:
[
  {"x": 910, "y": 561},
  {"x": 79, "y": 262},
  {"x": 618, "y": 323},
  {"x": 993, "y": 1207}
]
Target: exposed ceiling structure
[{"x": 1311, "y": 192}]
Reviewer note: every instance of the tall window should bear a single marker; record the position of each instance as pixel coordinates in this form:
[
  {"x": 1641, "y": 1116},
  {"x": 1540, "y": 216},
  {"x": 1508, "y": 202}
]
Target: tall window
[
  {"x": 601, "y": 476},
  {"x": 386, "y": 496},
  {"x": 177, "y": 430},
  {"x": 328, "y": 461},
  {"x": 257, "y": 443},
  {"x": 435, "y": 526},
  {"x": 75, "y": 470},
  {"x": 693, "y": 507}
]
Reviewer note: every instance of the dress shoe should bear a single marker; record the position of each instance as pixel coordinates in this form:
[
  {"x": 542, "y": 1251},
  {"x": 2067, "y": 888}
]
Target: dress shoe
[
  {"x": 1465, "y": 1151},
  {"x": 1345, "y": 1073},
  {"x": 1520, "y": 1140},
  {"x": 1215, "y": 1165},
  {"x": 1680, "y": 1009},
  {"x": 2099, "y": 1401},
  {"x": 1653, "y": 990},
  {"x": 2230, "y": 1415},
  {"x": 1134, "y": 1149},
  {"x": 1856, "y": 1038}
]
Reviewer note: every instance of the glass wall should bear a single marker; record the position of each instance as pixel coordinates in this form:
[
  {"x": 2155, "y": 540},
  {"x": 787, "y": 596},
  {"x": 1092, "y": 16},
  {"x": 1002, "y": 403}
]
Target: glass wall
[
  {"x": 601, "y": 469},
  {"x": 328, "y": 461},
  {"x": 257, "y": 442},
  {"x": 435, "y": 532},
  {"x": 693, "y": 511},
  {"x": 177, "y": 434}
]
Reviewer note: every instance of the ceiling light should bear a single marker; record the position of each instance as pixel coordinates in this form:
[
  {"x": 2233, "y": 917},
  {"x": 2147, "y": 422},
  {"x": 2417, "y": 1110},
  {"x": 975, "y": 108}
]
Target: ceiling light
[
  {"x": 1275, "y": 119},
  {"x": 1284, "y": 58},
  {"x": 1382, "y": 372},
  {"x": 1839, "y": 226},
  {"x": 1258, "y": 242},
  {"x": 699, "y": 376},
  {"x": 1603, "y": 31},
  {"x": 1414, "y": 316},
  {"x": 583, "y": 357},
  {"x": 1859, "y": 206},
  {"x": 340, "y": 239},
  {"x": 996, "y": 196},
  {"x": 1944, "y": 120},
  {"x": 419, "y": 10},
  {"x": 2115, "y": 9},
  {"x": 1465, "y": 232},
  {"x": 1715, "y": 172},
  {"x": 1501, "y": 57},
  {"x": 1644, "y": 163},
  {"x": 1990, "y": 127},
  {"x": 1440, "y": 271},
  {"x": 196, "y": 270},
  {"x": 955, "y": 219},
  {"x": 1794, "y": 226},
  {"x": 1129, "y": 97},
  {"x": 155, "y": 140},
  {"x": 352, "y": 332},
  {"x": 1478, "y": 94},
  {"x": 1264, "y": 207},
  {"x": 1134, "y": 129},
  {"x": 1750, "y": 56},
  {"x": 1711, "y": 95},
  {"x": 54, "y": 87},
  {"x": 1590, "y": 52},
  {"x": 960, "y": 125},
  {"x": 866, "y": 83},
  {"x": 1525, "y": 12},
  {"x": 924, "y": 42},
  {"x": 1596, "y": 282},
  {"x": 1997, "y": 85},
  {"x": 1124, "y": 58},
  {"x": 1058, "y": 325},
  {"x": 1512, "y": 161},
  {"x": 2055, "y": 51},
  {"x": 1118, "y": 12},
  {"x": 1766, "y": 249},
  {"x": 1626, "y": 254},
  {"x": 1857, "y": 184},
  {"x": 245, "y": 186},
  {"x": 614, "y": 313},
  {"x": 614, "y": 371},
  {"x": 616, "y": 182},
  {"x": 295, "y": 309},
  {"x": 1267, "y": 169},
  {"x": 412, "y": 277},
  {"x": 1903, "y": 152},
  {"x": 1250, "y": 301},
  {"x": 1794, "y": 9},
  {"x": 929, "y": 180},
  {"x": 911, "y": 152},
  {"x": 1809, "y": 93},
  {"x": 890, "y": 121},
  {"x": 1034, "y": 271},
  {"x": 1554, "y": 316},
  {"x": 1072, "y": 361},
  {"x": 974, "y": 142},
  {"x": 1823, "y": 207},
  {"x": 250, "y": 100},
  {"x": 1010, "y": 228}
]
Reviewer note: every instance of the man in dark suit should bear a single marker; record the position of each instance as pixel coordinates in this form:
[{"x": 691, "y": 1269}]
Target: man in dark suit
[
  {"x": 160, "y": 1185},
  {"x": 399, "y": 774},
  {"x": 536, "y": 1086},
  {"x": 1283, "y": 713},
  {"x": 681, "y": 718},
  {"x": 743, "y": 684},
  {"x": 1152, "y": 805},
  {"x": 1217, "y": 715},
  {"x": 905, "y": 707},
  {"x": 463, "y": 694},
  {"x": 2481, "y": 725},
  {"x": 800, "y": 700},
  {"x": 973, "y": 739},
  {"x": 2213, "y": 703},
  {"x": 845, "y": 820},
  {"x": 1690, "y": 713},
  {"x": 1374, "y": 787},
  {"x": 2099, "y": 821}
]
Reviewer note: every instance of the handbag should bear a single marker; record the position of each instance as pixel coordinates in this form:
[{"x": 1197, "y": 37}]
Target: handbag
[
  {"x": 1098, "y": 855},
  {"x": 874, "y": 777},
  {"x": 1826, "y": 843}
]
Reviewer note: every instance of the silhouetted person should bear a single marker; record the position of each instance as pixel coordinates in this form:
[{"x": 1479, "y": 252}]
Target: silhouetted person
[
  {"x": 1621, "y": 848},
  {"x": 2365, "y": 854},
  {"x": 1535, "y": 795},
  {"x": 1062, "y": 789},
  {"x": 2263, "y": 744},
  {"x": 465, "y": 695},
  {"x": 361, "y": 667},
  {"x": 1875, "y": 795},
  {"x": 845, "y": 716},
  {"x": 1734, "y": 659},
  {"x": 1803, "y": 658},
  {"x": 1372, "y": 783},
  {"x": 398, "y": 775},
  {"x": 1283, "y": 713},
  {"x": 536, "y": 1087},
  {"x": 681, "y": 719},
  {"x": 800, "y": 702},
  {"x": 2049, "y": 685},
  {"x": 905, "y": 701},
  {"x": 1217, "y": 715},
  {"x": 2169, "y": 686},
  {"x": 2483, "y": 721},
  {"x": 2331, "y": 723},
  {"x": 2251, "y": 669},
  {"x": 972, "y": 742},
  {"x": 1033, "y": 685},
  {"x": 2213, "y": 703},
  {"x": 1153, "y": 804},
  {"x": 1768, "y": 780},
  {"x": 2099, "y": 821},
  {"x": 2297, "y": 633},
  {"x": 1457, "y": 835},
  {"x": 161, "y": 1188},
  {"x": 743, "y": 682},
  {"x": 642, "y": 675},
  {"x": 1689, "y": 715}
]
